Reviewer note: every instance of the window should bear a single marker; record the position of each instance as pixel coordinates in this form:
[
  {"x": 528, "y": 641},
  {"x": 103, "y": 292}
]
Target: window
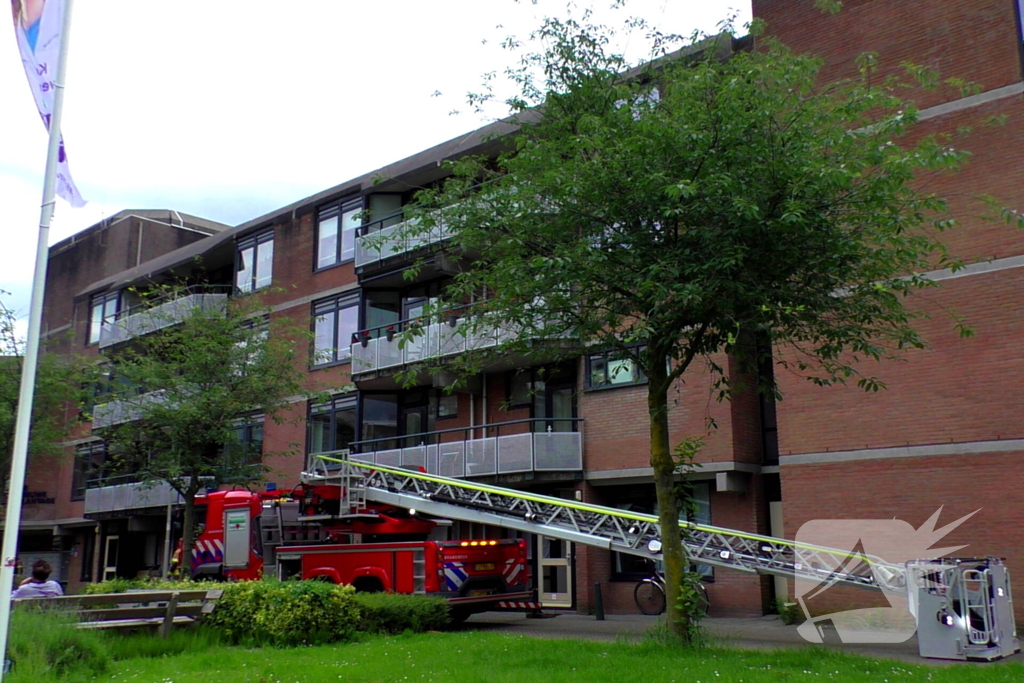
[
  {"x": 335, "y": 321},
  {"x": 254, "y": 267},
  {"x": 332, "y": 425},
  {"x": 90, "y": 461},
  {"x": 336, "y": 233},
  {"x": 103, "y": 309},
  {"x": 247, "y": 446},
  {"x": 611, "y": 369},
  {"x": 642, "y": 499}
]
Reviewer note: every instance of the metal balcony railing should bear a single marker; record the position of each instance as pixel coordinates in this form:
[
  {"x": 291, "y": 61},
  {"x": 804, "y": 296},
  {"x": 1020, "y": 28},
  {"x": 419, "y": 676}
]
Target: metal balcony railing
[
  {"x": 518, "y": 446},
  {"x": 123, "y": 410},
  {"x": 161, "y": 313},
  {"x": 390, "y": 236},
  {"x": 124, "y": 493},
  {"x": 386, "y": 346}
]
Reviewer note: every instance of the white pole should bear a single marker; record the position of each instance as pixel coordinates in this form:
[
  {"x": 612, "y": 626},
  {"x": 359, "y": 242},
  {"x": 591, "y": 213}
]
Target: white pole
[{"x": 28, "y": 371}]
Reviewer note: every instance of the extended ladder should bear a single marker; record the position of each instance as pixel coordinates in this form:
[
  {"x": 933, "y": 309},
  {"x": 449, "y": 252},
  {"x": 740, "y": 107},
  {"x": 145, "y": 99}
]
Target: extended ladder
[
  {"x": 594, "y": 525},
  {"x": 964, "y": 606}
]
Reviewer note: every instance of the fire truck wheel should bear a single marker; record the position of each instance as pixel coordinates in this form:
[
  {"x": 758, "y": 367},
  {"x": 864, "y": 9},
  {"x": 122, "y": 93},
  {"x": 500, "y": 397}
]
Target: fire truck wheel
[
  {"x": 368, "y": 584},
  {"x": 456, "y": 616}
]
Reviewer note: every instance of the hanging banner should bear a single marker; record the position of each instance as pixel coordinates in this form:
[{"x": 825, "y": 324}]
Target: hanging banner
[{"x": 37, "y": 25}]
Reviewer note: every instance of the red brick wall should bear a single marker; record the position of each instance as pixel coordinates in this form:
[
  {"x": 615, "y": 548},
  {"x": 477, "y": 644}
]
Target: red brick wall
[
  {"x": 975, "y": 39},
  {"x": 912, "y": 489},
  {"x": 958, "y": 390}
]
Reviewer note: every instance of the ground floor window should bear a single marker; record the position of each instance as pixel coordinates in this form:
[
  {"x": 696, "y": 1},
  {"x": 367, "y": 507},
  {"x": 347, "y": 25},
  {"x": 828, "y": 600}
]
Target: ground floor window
[{"x": 643, "y": 499}]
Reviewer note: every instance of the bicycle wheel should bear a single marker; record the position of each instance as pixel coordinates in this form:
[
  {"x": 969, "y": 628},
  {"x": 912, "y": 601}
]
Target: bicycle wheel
[{"x": 649, "y": 597}]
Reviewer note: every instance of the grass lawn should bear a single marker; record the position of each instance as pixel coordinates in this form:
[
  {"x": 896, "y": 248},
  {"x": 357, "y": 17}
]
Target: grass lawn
[{"x": 496, "y": 658}]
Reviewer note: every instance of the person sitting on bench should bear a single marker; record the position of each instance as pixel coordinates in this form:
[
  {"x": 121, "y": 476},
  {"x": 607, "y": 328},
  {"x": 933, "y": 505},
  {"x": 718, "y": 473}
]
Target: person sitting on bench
[{"x": 40, "y": 585}]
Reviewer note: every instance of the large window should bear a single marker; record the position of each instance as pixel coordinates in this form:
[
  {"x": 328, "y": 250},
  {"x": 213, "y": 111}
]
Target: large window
[
  {"x": 104, "y": 308},
  {"x": 332, "y": 425},
  {"x": 642, "y": 499},
  {"x": 254, "y": 267},
  {"x": 247, "y": 446},
  {"x": 335, "y": 320},
  {"x": 336, "y": 232},
  {"x": 612, "y": 369},
  {"x": 90, "y": 463}
]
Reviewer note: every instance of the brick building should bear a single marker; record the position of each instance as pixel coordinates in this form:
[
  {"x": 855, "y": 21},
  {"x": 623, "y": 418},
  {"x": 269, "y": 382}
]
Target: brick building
[{"x": 947, "y": 432}]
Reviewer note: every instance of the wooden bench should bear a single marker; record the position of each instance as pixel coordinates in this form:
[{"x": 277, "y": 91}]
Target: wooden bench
[{"x": 160, "y": 608}]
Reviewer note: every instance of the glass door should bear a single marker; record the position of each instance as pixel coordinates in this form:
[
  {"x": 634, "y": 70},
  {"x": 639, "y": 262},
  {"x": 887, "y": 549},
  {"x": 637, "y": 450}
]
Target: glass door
[
  {"x": 554, "y": 402},
  {"x": 554, "y": 560},
  {"x": 110, "y": 557}
]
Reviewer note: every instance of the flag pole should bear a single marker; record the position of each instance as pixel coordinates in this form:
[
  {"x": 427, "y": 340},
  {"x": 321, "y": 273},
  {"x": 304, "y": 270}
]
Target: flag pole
[{"x": 23, "y": 421}]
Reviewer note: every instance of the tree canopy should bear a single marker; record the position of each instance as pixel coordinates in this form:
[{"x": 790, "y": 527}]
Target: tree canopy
[
  {"x": 58, "y": 393},
  {"x": 184, "y": 391},
  {"x": 675, "y": 210}
]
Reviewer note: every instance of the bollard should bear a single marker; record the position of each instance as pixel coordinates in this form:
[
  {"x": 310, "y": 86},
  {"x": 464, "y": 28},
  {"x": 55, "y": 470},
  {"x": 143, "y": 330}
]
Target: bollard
[{"x": 598, "y": 602}]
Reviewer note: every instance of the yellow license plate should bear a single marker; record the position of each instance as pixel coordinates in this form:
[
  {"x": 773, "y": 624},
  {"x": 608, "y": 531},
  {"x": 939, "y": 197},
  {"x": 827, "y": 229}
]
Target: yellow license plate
[
  {"x": 484, "y": 566},
  {"x": 479, "y": 592}
]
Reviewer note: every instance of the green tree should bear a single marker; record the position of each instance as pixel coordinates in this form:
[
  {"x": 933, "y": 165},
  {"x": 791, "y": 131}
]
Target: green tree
[
  {"x": 677, "y": 210},
  {"x": 182, "y": 392},
  {"x": 58, "y": 393}
]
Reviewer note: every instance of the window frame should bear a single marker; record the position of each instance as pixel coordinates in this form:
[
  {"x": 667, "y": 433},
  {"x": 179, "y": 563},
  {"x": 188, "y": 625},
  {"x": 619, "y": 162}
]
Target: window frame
[
  {"x": 334, "y": 405},
  {"x": 607, "y": 356},
  {"x": 83, "y": 467},
  {"x": 337, "y": 210},
  {"x": 332, "y": 306},
  {"x": 247, "y": 424},
  {"x": 255, "y": 241},
  {"x": 101, "y": 301}
]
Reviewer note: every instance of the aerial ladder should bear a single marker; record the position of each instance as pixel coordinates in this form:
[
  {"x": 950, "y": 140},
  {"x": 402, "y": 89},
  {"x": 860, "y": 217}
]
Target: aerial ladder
[{"x": 963, "y": 606}]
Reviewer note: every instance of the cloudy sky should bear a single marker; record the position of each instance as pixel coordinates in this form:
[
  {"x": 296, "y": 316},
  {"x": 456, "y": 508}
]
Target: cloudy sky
[{"x": 227, "y": 109}]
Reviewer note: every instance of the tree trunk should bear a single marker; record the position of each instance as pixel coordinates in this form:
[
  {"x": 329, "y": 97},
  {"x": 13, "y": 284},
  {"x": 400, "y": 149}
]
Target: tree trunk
[
  {"x": 188, "y": 530},
  {"x": 665, "y": 487}
]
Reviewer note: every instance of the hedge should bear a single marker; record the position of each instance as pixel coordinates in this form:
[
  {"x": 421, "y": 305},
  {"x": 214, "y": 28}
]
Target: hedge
[{"x": 394, "y": 613}]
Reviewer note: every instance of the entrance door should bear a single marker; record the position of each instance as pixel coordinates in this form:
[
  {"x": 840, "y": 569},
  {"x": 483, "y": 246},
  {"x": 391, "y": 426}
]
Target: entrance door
[
  {"x": 110, "y": 551},
  {"x": 554, "y": 565}
]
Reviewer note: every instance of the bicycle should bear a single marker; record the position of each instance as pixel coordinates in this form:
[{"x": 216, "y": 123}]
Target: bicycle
[{"x": 649, "y": 595}]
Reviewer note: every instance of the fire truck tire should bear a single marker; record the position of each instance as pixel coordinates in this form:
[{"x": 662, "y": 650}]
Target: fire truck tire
[
  {"x": 457, "y": 615},
  {"x": 368, "y": 584}
]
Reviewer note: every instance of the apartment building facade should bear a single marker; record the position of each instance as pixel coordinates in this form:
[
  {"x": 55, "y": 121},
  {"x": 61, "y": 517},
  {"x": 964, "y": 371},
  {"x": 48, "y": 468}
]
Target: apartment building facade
[
  {"x": 55, "y": 525},
  {"x": 947, "y": 432}
]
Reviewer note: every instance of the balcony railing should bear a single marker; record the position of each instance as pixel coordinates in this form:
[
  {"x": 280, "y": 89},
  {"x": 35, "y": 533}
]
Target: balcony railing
[
  {"x": 123, "y": 410},
  {"x": 390, "y": 236},
  {"x": 125, "y": 493},
  {"x": 386, "y": 346},
  {"x": 157, "y": 315},
  {"x": 516, "y": 447}
]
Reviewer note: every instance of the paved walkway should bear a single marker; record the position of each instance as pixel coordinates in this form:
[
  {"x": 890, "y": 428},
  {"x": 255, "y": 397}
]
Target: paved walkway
[{"x": 759, "y": 633}]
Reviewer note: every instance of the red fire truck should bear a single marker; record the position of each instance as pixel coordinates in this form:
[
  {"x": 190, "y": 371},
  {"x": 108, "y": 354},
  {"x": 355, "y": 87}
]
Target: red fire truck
[{"x": 244, "y": 535}]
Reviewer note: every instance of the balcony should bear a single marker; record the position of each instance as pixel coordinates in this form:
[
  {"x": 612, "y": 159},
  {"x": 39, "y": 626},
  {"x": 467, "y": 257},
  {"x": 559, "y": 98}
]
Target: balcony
[
  {"x": 384, "y": 347},
  {"x": 159, "y": 314},
  {"x": 392, "y": 236},
  {"x": 412, "y": 341},
  {"x": 124, "y": 410},
  {"x": 123, "y": 494},
  {"x": 517, "y": 447}
]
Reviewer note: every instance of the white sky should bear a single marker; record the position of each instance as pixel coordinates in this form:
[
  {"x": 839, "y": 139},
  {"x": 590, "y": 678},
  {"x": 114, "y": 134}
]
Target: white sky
[{"x": 228, "y": 109}]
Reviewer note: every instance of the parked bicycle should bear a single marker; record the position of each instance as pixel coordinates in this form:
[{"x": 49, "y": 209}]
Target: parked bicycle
[{"x": 649, "y": 595}]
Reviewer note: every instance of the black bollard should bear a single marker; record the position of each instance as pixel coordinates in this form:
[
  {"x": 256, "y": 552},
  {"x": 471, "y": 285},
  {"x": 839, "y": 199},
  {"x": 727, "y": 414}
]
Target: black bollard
[{"x": 598, "y": 602}]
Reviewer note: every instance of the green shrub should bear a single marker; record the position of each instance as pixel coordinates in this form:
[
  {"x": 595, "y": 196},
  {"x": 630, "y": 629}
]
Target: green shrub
[
  {"x": 393, "y": 613},
  {"x": 285, "y": 613},
  {"x": 44, "y": 644},
  {"x": 789, "y": 612},
  {"x": 125, "y": 585}
]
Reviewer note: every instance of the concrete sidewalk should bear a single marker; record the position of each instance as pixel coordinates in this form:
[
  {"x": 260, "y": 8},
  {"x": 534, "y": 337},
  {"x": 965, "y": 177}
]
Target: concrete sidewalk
[{"x": 757, "y": 633}]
